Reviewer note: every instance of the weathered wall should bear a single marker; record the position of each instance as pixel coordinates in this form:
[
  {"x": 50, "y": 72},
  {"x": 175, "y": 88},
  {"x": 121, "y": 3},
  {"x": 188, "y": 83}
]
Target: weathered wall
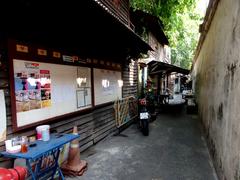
[
  {"x": 118, "y": 8},
  {"x": 159, "y": 53},
  {"x": 92, "y": 126},
  {"x": 217, "y": 74},
  {"x": 128, "y": 88}
]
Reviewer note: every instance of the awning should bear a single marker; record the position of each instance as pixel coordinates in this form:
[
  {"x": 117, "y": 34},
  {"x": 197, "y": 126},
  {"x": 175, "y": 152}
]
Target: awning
[
  {"x": 156, "y": 67},
  {"x": 80, "y": 26}
]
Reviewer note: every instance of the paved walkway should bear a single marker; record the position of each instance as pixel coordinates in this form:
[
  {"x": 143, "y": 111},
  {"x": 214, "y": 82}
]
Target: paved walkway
[
  {"x": 177, "y": 99},
  {"x": 174, "y": 150}
]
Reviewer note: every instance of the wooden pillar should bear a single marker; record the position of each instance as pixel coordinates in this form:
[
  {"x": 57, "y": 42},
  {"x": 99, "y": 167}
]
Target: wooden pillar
[
  {"x": 167, "y": 80},
  {"x": 159, "y": 83},
  {"x": 143, "y": 82}
]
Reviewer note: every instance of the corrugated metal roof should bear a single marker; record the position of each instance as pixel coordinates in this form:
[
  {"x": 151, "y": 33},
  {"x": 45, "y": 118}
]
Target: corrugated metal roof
[{"x": 156, "y": 67}]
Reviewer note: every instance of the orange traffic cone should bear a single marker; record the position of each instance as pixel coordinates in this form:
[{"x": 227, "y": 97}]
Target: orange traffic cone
[{"x": 74, "y": 166}]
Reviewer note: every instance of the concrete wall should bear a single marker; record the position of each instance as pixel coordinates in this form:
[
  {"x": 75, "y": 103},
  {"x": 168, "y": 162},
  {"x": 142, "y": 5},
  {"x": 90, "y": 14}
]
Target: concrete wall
[{"x": 217, "y": 74}]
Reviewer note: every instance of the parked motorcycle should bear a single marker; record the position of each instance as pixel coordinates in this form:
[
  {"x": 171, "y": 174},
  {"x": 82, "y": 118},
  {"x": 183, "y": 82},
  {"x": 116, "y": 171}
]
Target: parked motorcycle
[
  {"x": 143, "y": 117},
  {"x": 151, "y": 110},
  {"x": 150, "y": 104}
]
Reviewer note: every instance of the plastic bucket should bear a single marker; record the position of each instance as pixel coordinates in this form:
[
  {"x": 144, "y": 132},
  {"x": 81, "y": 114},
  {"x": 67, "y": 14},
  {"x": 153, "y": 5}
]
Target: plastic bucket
[
  {"x": 45, "y": 135},
  {"x": 43, "y": 132}
]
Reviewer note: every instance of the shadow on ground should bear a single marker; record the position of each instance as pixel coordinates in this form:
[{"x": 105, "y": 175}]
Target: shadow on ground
[
  {"x": 174, "y": 150},
  {"x": 177, "y": 110}
]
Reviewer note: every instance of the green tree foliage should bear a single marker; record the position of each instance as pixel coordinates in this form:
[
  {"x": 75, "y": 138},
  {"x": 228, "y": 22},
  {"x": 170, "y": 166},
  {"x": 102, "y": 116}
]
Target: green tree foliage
[{"x": 181, "y": 22}]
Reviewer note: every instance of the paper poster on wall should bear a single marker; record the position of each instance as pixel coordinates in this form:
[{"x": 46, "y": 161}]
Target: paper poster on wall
[
  {"x": 32, "y": 87},
  {"x": 34, "y": 99},
  {"x": 84, "y": 97},
  {"x": 88, "y": 96},
  {"x": 80, "y": 98},
  {"x": 3, "y": 118},
  {"x": 45, "y": 90},
  {"x": 21, "y": 90}
]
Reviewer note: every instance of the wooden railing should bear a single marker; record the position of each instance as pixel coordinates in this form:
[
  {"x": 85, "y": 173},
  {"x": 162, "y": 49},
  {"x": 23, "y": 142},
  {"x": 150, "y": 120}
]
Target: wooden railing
[
  {"x": 118, "y": 8},
  {"x": 126, "y": 109}
]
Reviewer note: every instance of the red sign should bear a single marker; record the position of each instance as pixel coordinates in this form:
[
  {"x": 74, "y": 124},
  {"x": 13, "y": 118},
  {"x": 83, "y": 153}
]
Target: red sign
[{"x": 44, "y": 72}]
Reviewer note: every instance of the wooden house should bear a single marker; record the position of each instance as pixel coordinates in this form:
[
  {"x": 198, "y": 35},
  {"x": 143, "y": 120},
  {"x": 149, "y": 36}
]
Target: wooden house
[
  {"x": 156, "y": 64},
  {"x": 60, "y": 64},
  {"x": 150, "y": 28}
]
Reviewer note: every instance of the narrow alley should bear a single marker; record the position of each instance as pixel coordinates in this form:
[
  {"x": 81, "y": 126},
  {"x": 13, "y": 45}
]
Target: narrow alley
[
  {"x": 167, "y": 72},
  {"x": 174, "y": 150}
]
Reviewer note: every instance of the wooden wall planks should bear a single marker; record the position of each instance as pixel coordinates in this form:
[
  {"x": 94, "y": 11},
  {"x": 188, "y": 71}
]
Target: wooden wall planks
[{"x": 92, "y": 127}]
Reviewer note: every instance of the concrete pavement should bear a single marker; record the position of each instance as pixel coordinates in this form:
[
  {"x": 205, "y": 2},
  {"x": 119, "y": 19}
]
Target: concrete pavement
[{"x": 174, "y": 150}]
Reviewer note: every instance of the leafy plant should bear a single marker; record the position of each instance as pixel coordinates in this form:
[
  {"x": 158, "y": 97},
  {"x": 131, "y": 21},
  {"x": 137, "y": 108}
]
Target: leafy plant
[{"x": 181, "y": 21}]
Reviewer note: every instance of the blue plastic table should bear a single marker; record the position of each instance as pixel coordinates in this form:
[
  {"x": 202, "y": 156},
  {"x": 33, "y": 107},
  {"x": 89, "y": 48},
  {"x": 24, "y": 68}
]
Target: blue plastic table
[{"x": 40, "y": 151}]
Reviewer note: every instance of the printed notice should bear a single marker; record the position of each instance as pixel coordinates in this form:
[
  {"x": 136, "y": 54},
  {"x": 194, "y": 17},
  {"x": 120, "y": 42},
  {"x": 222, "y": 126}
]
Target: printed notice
[{"x": 32, "y": 87}]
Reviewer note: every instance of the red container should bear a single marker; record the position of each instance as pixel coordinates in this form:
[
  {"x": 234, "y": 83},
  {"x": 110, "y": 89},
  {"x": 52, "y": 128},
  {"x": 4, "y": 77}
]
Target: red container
[
  {"x": 22, "y": 172},
  {"x": 5, "y": 174},
  {"x": 18, "y": 173}
]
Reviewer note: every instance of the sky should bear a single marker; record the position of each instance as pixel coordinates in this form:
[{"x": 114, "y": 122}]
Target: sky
[{"x": 202, "y": 6}]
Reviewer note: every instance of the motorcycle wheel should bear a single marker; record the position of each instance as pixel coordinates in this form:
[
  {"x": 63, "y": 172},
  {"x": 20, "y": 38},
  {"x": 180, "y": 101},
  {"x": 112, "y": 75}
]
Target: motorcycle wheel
[
  {"x": 145, "y": 127},
  {"x": 153, "y": 116}
]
